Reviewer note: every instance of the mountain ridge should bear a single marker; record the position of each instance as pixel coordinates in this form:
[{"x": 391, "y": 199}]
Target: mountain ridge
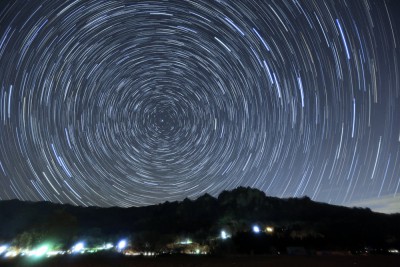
[{"x": 203, "y": 218}]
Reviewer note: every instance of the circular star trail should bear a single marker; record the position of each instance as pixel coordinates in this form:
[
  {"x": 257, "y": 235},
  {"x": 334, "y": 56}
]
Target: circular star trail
[{"x": 132, "y": 103}]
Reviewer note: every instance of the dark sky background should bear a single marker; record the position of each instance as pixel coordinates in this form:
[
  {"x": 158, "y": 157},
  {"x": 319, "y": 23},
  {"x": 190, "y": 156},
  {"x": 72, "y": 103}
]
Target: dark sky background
[{"x": 131, "y": 103}]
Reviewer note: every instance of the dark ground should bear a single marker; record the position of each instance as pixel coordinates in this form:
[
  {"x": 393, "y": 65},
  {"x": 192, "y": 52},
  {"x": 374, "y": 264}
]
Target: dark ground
[{"x": 205, "y": 261}]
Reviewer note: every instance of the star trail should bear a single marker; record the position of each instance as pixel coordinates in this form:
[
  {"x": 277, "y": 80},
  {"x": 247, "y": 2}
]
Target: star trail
[{"x": 131, "y": 103}]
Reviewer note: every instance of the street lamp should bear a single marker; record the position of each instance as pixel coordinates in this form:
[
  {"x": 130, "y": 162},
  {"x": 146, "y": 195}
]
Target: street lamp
[{"x": 256, "y": 229}]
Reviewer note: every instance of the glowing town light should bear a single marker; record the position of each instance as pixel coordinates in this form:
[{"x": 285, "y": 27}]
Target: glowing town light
[
  {"x": 11, "y": 254},
  {"x": 224, "y": 235},
  {"x": 186, "y": 242},
  {"x": 3, "y": 249},
  {"x": 269, "y": 229},
  {"x": 256, "y": 229},
  {"x": 78, "y": 247},
  {"x": 121, "y": 244},
  {"x": 40, "y": 251},
  {"x": 108, "y": 246},
  {"x": 54, "y": 253}
]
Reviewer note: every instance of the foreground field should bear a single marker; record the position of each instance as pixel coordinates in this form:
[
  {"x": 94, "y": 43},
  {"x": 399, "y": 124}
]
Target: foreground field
[{"x": 202, "y": 261}]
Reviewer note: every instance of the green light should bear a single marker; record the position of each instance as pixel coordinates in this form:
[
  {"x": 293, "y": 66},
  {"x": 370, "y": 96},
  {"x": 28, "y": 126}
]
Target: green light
[{"x": 41, "y": 251}]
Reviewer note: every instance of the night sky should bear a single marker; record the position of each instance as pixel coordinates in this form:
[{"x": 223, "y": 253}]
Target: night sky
[{"x": 132, "y": 103}]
